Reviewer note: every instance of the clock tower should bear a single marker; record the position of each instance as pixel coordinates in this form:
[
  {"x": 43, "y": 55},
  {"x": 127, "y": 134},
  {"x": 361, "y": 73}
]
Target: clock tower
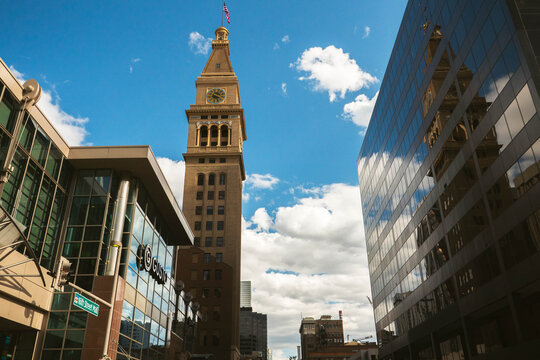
[{"x": 213, "y": 204}]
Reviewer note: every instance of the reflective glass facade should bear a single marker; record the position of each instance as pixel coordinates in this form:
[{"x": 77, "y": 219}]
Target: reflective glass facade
[
  {"x": 448, "y": 175},
  {"x": 146, "y": 325},
  {"x": 35, "y": 193}
]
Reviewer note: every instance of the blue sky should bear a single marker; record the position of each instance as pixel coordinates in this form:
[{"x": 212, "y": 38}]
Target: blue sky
[{"x": 123, "y": 72}]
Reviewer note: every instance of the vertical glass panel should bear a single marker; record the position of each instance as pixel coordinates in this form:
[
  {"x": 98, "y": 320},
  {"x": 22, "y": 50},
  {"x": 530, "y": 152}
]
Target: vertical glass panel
[
  {"x": 41, "y": 147},
  {"x": 41, "y": 214},
  {"x": 458, "y": 186},
  {"x": 102, "y": 182},
  {"x": 477, "y": 272},
  {"x": 53, "y": 162},
  {"x": 78, "y": 210},
  {"x": 513, "y": 119},
  {"x": 53, "y": 230},
  {"x": 57, "y": 320},
  {"x": 502, "y": 133},
  {"x": 54, "y": 339},
  {"x": 84, "y": 182},
  {"x": 28, "y": 195},
  {"x": 74, "y": 338},
  {"x": 61, "y": 301},
  {"x": 77, "y": 320},
  {"x": 522, "y": 241},
  {"x": 26, "y": 134},
  {"x": 526, "y": 104},
  {"x": 96, "y": 210},
  {"x": 132, "y": 277},
  {"x": 74, "y": 234},
  {"x": 12, "y": 186},
  {"x": 466, "y": 229},
  {"x": 65, "y": 175},
  {"x": 138, "y": 224},
  {"x": 142, "y": 198},
  {"x": 92, "y": 233},
  {"x": 7, "y": 111},
  {"x": 71, "y": 249},
  {"x": 4, "y": 145}
]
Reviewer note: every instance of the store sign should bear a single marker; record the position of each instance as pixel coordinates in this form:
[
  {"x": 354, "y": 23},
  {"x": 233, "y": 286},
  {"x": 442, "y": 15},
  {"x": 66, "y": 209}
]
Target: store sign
[{"x": 145, "y": 261}]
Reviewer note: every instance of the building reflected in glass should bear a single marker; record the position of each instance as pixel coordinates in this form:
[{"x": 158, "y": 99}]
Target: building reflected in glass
[{"x": 450, "y": 197}]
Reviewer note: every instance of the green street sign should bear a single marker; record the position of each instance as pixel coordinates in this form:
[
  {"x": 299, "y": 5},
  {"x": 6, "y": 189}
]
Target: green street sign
[{"x": 86, "y": 304}]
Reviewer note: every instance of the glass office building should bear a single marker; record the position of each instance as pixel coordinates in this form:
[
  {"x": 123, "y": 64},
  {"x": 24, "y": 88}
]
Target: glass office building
[
  {"x": 448, "y": 175},
  {"x": 65, "y": 202}
]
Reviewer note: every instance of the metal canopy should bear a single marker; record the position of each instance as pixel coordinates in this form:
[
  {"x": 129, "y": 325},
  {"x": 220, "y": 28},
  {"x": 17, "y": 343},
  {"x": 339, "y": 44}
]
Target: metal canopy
[{"x": 12, "y": 236}]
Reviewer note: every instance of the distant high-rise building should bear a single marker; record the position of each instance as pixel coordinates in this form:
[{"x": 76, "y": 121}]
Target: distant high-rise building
[
  {"x": 317, "y": 335},
  {"x": 245, "y": 294},
  {"x": 449, "y": 176},
  {"x": 253, "y": 333}
]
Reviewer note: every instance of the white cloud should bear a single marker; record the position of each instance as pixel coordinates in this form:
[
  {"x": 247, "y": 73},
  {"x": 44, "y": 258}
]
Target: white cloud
[
  {"x": 332, "y": 70},
  {"x": 199, "y": 44},
  {"x": 260, "y": 181},
  {"x": 70, "y": 127},
  {"x": 309, "y": 259},
  {"x": 284, "y": 88},
  {"x": 261, "y": 219},
  {"x": 276, "y": 46},
  {"x": 359, "y": 111},
  {"x": 286, "y": 39},
  {"x": 133, "y": 62},
  {"x": 245, "y": 197},
  {"x": 367, "y": 31},
  {"x": 174, "y": 172}
]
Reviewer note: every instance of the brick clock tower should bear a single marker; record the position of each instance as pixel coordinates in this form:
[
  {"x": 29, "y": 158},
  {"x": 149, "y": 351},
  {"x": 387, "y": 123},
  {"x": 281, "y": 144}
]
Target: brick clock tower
[{"x": 213, "y": 203}]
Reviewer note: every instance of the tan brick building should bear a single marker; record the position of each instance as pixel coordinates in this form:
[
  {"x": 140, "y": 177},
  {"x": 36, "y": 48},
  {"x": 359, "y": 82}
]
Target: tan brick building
[{"x": 213, "y": 201}]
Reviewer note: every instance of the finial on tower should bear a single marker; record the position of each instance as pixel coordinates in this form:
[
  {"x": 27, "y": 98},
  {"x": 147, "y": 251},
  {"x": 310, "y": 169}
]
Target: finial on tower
[{"x": 222, "y": 33}]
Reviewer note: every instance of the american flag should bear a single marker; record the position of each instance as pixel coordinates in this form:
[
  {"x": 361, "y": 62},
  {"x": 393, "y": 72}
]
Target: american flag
[{"x": 226, "y": 11}]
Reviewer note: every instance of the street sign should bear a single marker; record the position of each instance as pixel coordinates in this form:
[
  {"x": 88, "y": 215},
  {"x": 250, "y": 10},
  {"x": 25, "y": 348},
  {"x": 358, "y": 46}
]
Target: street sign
[{"x": 87, "y": 305}]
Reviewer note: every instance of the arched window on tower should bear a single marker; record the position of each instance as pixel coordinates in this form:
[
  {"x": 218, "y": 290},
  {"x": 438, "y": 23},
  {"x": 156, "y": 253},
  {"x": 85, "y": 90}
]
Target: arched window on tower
[
  {"x": 224, "y": 135},
  {"x": 204, "y": 135},
  {"x": 211, "y": 179},
  {"x": 200, "y": 179},
  {"x": 222, "y": 178},
  {"x": 214, "y": 135}
]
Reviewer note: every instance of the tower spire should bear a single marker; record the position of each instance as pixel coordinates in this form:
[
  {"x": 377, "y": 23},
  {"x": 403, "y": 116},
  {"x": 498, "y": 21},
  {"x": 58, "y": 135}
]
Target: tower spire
[{"x": 219, "y": 63}]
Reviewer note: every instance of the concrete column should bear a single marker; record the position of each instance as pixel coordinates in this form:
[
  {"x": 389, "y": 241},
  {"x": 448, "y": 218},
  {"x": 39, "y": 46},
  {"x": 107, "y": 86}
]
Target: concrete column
[{"x": 219, "y": 136}]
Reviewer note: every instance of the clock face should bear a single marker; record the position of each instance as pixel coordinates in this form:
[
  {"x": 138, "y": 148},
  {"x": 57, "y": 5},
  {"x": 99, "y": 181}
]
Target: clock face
[{"x": 215, "y": 95}]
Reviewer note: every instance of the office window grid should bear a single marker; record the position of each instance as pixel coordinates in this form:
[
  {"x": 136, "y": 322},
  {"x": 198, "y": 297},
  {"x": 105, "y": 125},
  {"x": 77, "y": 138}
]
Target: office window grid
[
  {"x": 402, "y": 177},
  {"x": 36, "y": 190}
]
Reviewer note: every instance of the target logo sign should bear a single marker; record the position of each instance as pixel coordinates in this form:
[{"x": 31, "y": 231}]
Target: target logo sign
[{"x": 145, "y": 261}]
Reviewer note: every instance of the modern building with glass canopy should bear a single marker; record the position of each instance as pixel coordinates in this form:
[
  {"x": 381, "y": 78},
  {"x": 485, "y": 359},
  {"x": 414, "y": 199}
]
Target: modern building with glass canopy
[{"x": 85, "y": 204}]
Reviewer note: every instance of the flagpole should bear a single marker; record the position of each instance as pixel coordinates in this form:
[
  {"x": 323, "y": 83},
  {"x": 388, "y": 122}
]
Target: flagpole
[{"x": 222, "y": 16}]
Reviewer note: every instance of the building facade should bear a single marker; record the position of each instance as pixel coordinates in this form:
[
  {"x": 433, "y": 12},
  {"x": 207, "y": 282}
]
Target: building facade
[
  {"x": 245, "y": 294},
  {"x": 253, "y": 333},
  {"x": 85, "y": 204},
  {"x": 213, "y": 201},
  {"x": 348, "y": 351},
  {"x": 448, "y": 176},
  {"x": 318, "y": 336}
]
